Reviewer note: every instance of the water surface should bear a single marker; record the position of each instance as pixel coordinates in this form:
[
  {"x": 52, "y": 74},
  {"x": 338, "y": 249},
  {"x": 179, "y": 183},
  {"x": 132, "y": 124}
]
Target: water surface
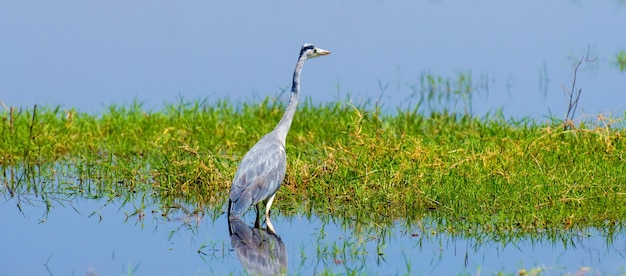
[
  {"x": 87, "y": 55},
  {"x": 109, "y": 238}
]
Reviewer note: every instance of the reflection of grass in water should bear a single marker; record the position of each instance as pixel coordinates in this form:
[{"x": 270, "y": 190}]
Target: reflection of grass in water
[
  {"x": 358, "y": 253},
  {"x": 351, "y": 253},
  {"x": 493, "y": 174}
]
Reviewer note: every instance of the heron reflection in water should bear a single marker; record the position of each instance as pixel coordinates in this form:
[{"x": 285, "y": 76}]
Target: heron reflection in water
[{"x": 261, "y": 252}]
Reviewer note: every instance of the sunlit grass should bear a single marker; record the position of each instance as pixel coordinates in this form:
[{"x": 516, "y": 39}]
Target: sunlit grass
[{"x": 348, "y": 162}]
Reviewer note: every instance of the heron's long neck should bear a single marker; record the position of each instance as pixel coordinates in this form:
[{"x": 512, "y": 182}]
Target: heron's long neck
[{"x": 282, "y": 128}]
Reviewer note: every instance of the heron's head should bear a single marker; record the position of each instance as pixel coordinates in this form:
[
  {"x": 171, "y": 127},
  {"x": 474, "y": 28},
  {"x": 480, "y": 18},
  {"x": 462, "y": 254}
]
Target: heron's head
[{"x": 310, "y": 51}]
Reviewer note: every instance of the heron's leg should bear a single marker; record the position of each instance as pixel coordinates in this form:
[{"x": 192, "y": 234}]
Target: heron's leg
[
  {"x": 270, "y": 227},
  {"x": 257, "y": 222},
  {"x": 268, "y": 206}
]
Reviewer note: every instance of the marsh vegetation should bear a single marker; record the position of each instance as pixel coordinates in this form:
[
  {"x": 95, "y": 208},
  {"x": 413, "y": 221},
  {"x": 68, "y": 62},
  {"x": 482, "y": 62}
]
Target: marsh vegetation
[
  {"x": 432, "y": 169},
  {"x": 490, "y": 173}
]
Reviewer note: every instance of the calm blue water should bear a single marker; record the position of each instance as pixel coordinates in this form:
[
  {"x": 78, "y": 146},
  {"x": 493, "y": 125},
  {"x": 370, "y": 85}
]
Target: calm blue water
[
  {"x": 87, "y": 236},
  {"x": 90, "y": 54}
]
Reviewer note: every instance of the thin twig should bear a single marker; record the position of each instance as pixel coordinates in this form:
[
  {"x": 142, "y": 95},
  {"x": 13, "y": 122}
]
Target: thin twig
[{"x": 574, "y": 95}]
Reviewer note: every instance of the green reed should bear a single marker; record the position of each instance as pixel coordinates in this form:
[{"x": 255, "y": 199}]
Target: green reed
[{"x": 348, "y": 162}]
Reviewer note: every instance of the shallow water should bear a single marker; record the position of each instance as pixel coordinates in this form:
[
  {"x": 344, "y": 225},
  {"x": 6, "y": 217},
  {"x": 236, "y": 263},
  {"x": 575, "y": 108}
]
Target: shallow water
[
  {"x": 92, "y": 54},
  {"x": 89, "y": 55},
  {"x": 92, "y": 236}
]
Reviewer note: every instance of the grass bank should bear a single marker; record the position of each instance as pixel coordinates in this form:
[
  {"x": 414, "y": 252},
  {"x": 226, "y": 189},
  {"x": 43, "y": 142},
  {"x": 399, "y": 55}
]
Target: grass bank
[{"x": 347, "y": 162}]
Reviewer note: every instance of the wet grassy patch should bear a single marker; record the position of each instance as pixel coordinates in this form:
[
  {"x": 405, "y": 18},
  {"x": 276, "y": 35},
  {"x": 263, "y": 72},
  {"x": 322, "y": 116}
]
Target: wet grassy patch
[{"x": 346, "y": 162}]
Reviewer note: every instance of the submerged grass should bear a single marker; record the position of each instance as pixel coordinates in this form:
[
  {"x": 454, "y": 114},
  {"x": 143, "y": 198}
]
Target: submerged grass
[{"x": 346, "y": 162}]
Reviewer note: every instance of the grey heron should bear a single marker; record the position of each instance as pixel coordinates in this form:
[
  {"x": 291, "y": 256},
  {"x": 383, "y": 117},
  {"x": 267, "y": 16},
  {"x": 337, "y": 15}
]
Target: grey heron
[{"x": 262, "y": 169}]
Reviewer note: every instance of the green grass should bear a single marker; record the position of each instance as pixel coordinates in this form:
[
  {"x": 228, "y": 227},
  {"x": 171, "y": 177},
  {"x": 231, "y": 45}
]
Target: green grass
[{"x": 349, "y": 163}]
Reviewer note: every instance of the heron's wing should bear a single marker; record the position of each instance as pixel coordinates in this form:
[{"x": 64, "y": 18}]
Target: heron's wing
[{"x": 259, "y": 174}]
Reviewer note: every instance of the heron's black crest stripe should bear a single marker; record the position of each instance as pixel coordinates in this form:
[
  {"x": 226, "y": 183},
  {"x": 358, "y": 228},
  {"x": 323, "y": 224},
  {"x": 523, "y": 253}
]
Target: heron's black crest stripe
[{"x": 306, "y": 47}]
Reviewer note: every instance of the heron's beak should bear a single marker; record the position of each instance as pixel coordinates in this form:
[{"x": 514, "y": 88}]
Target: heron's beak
[{"x": 322, "y": 52}]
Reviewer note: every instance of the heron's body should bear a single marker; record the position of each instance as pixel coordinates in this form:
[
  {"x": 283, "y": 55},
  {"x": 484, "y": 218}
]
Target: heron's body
[
  {"x": 262, "y": 169},
  {"x": 259, "y": 175}
]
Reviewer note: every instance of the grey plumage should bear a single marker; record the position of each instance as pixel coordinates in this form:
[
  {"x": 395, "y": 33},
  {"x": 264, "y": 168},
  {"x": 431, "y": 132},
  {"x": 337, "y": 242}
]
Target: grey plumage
[
  {"x": 260, "y": 174},
  {"x": 262, "y": 169}
]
